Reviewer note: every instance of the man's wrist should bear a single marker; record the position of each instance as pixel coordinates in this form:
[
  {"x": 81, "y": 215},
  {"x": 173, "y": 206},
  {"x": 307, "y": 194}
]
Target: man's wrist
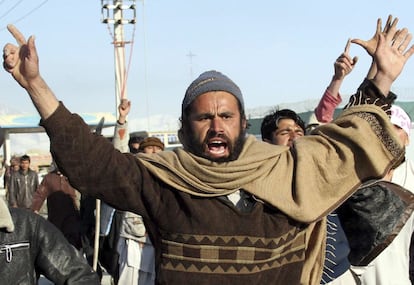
[
  {"x": 383, "y": 83},
  {"x": 338, "y": 78}
]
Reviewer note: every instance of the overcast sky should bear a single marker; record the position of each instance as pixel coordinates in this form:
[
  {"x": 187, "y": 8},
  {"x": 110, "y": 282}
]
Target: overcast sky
[{"x": 276, "y": 51}]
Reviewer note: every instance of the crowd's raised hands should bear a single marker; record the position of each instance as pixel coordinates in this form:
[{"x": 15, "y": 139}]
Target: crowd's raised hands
[
  {"x": 388, "y": 47},
  {"x": 389, "y": 50}
]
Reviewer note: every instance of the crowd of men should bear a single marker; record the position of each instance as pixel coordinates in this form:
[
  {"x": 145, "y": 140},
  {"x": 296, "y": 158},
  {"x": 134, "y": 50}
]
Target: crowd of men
[{"x": 329, "y": 206}]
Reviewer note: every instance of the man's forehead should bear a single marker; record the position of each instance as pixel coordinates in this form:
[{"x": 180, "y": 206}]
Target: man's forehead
[
  {"x": 287, "y": 123},
  {"x": 220, "y": 98}
]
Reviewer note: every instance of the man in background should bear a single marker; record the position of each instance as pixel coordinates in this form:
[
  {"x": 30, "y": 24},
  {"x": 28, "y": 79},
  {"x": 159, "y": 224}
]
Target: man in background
[
  {"x": 23, "y": 184},
  {"x": 62, "y": 204}
]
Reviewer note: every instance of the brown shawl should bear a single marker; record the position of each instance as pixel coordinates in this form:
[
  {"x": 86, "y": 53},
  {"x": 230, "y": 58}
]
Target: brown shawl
[{"x": 306, "y": 183}]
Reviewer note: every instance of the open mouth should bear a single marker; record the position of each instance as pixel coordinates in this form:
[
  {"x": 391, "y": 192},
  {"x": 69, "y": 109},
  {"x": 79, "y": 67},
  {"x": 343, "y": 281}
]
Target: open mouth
[{"x": 217, "y": 147}]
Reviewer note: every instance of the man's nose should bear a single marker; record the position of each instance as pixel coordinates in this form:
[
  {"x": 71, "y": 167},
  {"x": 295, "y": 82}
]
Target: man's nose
[
  {"x": 294, "y": 135},
  {"x": 216, "y": 125}
]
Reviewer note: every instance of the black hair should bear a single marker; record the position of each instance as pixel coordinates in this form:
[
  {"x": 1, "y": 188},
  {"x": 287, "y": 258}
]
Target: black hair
[
  {"x": 270, "y": 122},
  {"x": 25, "y": 157}
]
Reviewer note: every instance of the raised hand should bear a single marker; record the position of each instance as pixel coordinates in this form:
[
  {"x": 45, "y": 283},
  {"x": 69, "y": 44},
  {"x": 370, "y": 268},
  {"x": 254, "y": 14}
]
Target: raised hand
[
  {"x": 344, "y": 63},
  {"x": 123, "y": 109},
  {"x": 22, "y": 60},
  {"x": 390, "y": 30},
  {"x": 392, "y": 54},
  {"x": 23, "y": 63}
]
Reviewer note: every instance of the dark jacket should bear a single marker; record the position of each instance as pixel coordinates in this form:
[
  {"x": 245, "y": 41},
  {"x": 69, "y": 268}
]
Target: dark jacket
[
  {"x": 37, "y": 247},
  {"x": 21, "y": 188},
  {"x": 62, "y": 205}
]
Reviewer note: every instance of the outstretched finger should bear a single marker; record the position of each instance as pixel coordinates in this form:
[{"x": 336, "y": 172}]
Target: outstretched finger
[
  {"x": 392, "y": 25},
  {"x": 31, "y": 46},
  {"x": 379, "y": 26},
  {"x": 20, "y": 39},
  {"x": 359, "y": 42},
  {"x": 409, "y": 53},
  {"x": 347, "y": 47},
  {"x": 404, "y": 44},
  {"x": 400, "y": 41},
  {"x": 391, "y": 30}
]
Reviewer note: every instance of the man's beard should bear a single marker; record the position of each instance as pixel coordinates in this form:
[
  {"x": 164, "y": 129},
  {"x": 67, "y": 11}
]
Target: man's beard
[{"x": 235, "y": 148}]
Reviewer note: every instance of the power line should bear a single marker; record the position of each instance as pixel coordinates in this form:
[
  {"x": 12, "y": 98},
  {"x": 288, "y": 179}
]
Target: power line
[
  {"x": 25, "y": 15},
  {"x": 31, "y": 11},
  {"x": 11, "y": 9}
]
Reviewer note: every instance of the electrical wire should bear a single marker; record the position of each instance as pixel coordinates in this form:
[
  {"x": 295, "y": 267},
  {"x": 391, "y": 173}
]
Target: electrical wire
[
  {"x": 25, "y": 15},
  {"x": 31, "y": 11},
  {"x": 11, "y": 9}
]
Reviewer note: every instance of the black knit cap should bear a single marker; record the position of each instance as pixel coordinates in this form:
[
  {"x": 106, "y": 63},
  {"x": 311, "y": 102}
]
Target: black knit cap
[{"x": 211, "y": 81}]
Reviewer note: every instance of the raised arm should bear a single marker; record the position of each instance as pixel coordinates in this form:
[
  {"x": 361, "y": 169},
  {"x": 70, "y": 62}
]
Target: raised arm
[
  {"x": 121, "y": 134},
  {"x": 343, "y": 65},
  {"x": 120, "y": 186},
  {"x": 391, "y": 54},
  {"x": 23, "y": 63}
]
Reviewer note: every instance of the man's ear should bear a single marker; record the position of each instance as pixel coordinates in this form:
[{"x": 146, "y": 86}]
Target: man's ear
[{"x": 244, "y": 124}]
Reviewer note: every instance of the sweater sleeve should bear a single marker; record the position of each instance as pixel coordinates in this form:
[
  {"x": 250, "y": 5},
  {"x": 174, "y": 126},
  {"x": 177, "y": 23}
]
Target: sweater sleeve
[
  {"x": 325, "y": 110},
  {"x": 94, "y": 167},
  {"x": 121, "y": 137},
  {"x": 369, "y": 94},
  {"x": 359, "y": 145}
]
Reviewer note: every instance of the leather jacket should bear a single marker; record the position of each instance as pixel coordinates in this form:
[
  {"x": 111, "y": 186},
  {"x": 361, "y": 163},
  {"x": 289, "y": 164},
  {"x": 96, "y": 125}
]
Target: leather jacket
[
  {"x": 21, "y": 188},
  {"x": 37, "y": 247}
]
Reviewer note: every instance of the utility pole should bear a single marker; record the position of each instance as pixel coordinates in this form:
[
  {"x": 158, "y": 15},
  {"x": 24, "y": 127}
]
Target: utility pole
[
  {"x": 119, "y": 14},
  {"x": 190, "y": 56},
  {"x": 113, "y": 12}
]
